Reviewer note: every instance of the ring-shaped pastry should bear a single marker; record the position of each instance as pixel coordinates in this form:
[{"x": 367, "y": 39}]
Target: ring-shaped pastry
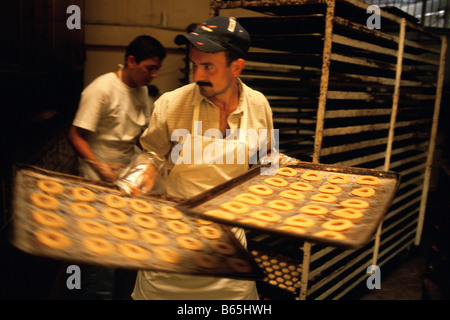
[
  {"x": 222, "y": 214},
  {"x": 83, "y": 194},
  {"x": 249, "y": 198},
  {"x": 178, "y": 226},
  {"x": 154, "y": 237},
  {"x": 84, "y": 210},
  {"x": 313, "y": 209},
  {"x": 50, "y": 186},
  {"x": 98, "y": 246},
  {"x": 355, "y": 203},
  {"x": 167, "y": 255},
  {"x": 312, "y": 176},
  {"x": 44, "y": 201},
  {"x": 92, "y": 227},
  {"x": 292, "y": 194},
  {"x": 171, "y": 213},
  {"x": 301, "y": 186},
  {"x": 210, "y": 232},
  {"x": 276, "y": 182},
  {"x": 292, "y": 229},
  {"x": 287, "y": 171},
  {"x": 337, "y": 225},
  {"x": 115, "y": 201},
  {"x": 330, "y": 234},
  {"x": 145, "y": 221},
  {"x": 260, "y": 190},
  {"x": 239, "y": 265},
  {"x": 347, "y": 213},
  {"x": 114, "y": 215},
  {"x": 266, "y": 215},
  {"x": 280, "y": 205},
  {"x": 253, "y": 222},
  {"x": 323, "y": 197},
  {"x": 123, "y": 232},
  {"x": 235, "y": 207},
  {"x": 205, "y": 261},
  {"x": 133, "y": 252},
  {"x": 223, "y": 247},
  {"x": 48, "y": 219},
  {"x": 365, "y": 192},
  {"x": 141, "y": 206},
  {"x": 338, "y": 178},
  {"x": 369, "y": 180},
  {"x": 53, "y": 239},
  {"x": 299, "y": 221},
  {"x": 189, "y": 243},
  {"x": 330, "y": 188}
]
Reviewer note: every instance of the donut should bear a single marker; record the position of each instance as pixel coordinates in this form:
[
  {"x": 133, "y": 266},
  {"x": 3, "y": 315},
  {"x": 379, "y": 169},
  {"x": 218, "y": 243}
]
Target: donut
[
  {"x": 330, "y": 188},
  {"x": 49, "y": 186},
  {"x": 299, "y": 221},
  {"x": 364, "y": 192},
  {"x": 248, "y": 198},
  {"x": 337, "y": 225},
  {"x": 223, "y": 247},
  {"x": 253, "y": 222},
  {"x": 133, "y": 252},
  {"x": 83, "y": 194},
  {"x": 53, "y": 239},
  {"x": 355, "y": 203},
  {"x": 171, "y": 213},
  {"x": 178, "y": 227},
  {"x": 235, "y": 207},
  {"x": 167, "y": 255},
  {"x": 210, "y": 232},
  {"x": 44, "y": 201},
  {"x": 114, "y": 215},
  {"x": 122, "y": 232},
  {"x": 330, "y": 234},
  {"x": 154, "y": 237},
  {"x": 239, "y": 265},
  {"x": 287, "y": 171},
  {"x": 205, "y": 261},
  {"x": 369, "y": 180},
  {"x": 292, "y": 229},
  {"x": 347, "y": 213},
  {"x": 189, "y": 243},
  {"x": 220, "y": 214},
  {"x": 266, "y": 215},
  {"x": 292, "y": 194},
  {"x": 115, "y": 201},
  {"x": 312, "y": 176},
  {"x": 280, "y": 205},
  {"x": 276, "y": 182},
  {"x": 145, "y": 221},
  {"x": 313, "y": 209},
  {"x": 48, "y": 219},
  {"x": 260, "y": 190},
  {"x": 83, "y": 210},
  {"x": 338, "y": 178},
  {"x": 301, "y": 186},
  {"x": 92, "y": 227},
  {"x": 323, "y": 197},
  {"x": 141, "y": 206},
  {"x": 98, "y": 246},
  {"x": 203, "y": 221}
]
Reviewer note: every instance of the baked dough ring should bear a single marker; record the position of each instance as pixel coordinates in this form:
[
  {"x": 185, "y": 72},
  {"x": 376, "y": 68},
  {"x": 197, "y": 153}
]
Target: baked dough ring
[
  {"x": 48, "y": 219},
  {"x": 276, "y": 182},
  {"x": 280, "y": 205},
  {"x": 312, "y": 176},
  {"x": 44, "y": 201},
  {"x": 220, "y": 214},
  {"x": 98, "y": 246},
  {"x": 337, "y": 225},
  {"x": 205, "y": 261},
  {"x": 249, "y": 198},
  {"x": 114, "y": 215},
  {"x": 299, "y": 221},
  {"x": 369, "y": 180},
  {"x": 115, "y": 201},
  {"x": 253, "y": 222},
  {"x": 189, "y": 243},
  {"x": 178, "y": 227},
  {"x": 260, "y": 190},
  {"x": 313, "y": 209},
  {"x": 84, "y": 210},
  {"x": 323, "y": 197},
  {"x": 347, "y": 213},
  {"x": 210, "y": 232},
  {"x": 92, "y": 227},
  {"x": 239, "y": 265},
  {"x": 50, "y": 186},
  {"x": 292, "y": 229},
  {"x": 266, "y": 215},
  {"x": 223, "y": 247},
  {"x": 355, "y": 203},
  {"x": 365, "y": 192},
  {"x": 171, "y": 213},
  {"x": 292, "y": 194},
  {"x": 122, "y": 232},
  {"x": 235, "y": 207},
  {"x": 145, "y": 221},
  {"x": 287, "y": 171},
  {"x": 53, "y": 239},
  {"x": 330, "y": 234},
  {"x": 330, "y": 188},
  {"x": 301, "y": 186},
  {"x": 133, "y": 252},
  {"x": 83, "y": 194},
  {"x": 167, "y": 255},
  {"x": 154, "y": 237},
  {"x": 338, "y": 178},
  {"x": 141, "y": 206}
]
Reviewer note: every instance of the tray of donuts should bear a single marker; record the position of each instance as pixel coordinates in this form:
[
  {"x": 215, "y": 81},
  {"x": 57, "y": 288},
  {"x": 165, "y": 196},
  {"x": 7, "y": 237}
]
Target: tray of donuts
[
  {"x": 68, "y": 218},
  {"x": 338, "y": 206}
]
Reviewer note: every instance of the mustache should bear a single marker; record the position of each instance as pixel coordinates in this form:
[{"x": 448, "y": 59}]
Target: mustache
[{"x": 204, "y": 83}]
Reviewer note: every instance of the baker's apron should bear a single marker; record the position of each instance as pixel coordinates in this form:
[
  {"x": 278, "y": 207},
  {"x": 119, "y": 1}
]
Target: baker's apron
[{"x": 187, "y": 180}]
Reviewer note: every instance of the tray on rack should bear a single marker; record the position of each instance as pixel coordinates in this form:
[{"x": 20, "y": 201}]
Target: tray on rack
[
  {"x": 287, "y": 219},
  {"x": 105, "y": 226}
]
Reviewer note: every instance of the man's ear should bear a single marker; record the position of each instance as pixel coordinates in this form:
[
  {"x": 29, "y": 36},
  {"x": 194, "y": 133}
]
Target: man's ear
[
  {"x": 130, "y": 61},
  {"x": 238, "y": 66}
]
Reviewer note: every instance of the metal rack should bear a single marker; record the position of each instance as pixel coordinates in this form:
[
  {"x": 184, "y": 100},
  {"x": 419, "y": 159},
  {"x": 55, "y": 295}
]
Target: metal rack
[{"x": 345, "y": 94}]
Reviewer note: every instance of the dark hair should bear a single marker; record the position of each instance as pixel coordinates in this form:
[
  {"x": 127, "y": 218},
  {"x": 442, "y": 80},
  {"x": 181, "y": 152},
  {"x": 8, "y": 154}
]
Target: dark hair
[
  {"x": 231, "y": 56},
  {"x": 145, "y": 47}
]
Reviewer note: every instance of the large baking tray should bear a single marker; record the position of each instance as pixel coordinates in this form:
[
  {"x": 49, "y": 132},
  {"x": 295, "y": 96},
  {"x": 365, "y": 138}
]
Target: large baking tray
[
  {"x": 361, "y": 232},
  {"x": 24, "y": 228}
]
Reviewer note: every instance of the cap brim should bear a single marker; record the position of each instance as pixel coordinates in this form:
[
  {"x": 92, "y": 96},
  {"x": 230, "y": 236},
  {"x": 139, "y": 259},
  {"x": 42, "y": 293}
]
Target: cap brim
[{"x": 201, "y": 43}]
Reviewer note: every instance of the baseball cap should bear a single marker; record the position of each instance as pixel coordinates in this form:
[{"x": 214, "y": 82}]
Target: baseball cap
[{"x": 218, "y": 34}]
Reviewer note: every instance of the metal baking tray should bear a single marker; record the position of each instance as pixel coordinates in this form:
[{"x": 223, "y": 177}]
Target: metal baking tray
[
  {"x": 357, "y": 236},
  {"x": 24, "y": 228}
]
